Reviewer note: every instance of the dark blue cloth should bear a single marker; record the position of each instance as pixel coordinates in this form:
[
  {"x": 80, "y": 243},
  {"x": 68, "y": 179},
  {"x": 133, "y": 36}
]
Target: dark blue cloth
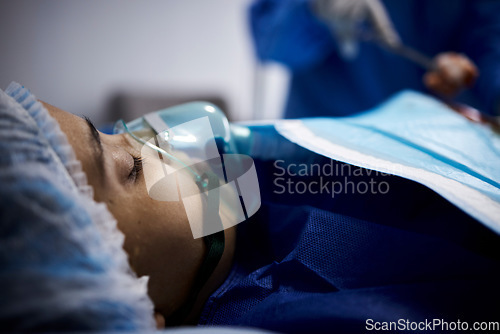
[
  {"x": 312, "y": 263},
  {"x": 324, "y": 84}
]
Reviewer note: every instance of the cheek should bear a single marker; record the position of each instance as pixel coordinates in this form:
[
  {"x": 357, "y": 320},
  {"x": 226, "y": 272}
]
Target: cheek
[
  {"x": 160, "y": 245},
  {"x": 157, "y": 235},
  {"x": 165, "y": 185}
]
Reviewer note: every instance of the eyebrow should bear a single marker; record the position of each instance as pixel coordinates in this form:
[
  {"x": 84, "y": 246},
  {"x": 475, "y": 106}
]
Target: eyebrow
[{"x": 96, "y": 142}]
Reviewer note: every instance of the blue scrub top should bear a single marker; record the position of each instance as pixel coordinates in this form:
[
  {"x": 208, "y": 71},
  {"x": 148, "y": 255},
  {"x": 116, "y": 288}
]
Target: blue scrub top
[
  {"x": 325, "y": 84},
  {"x": 312, "y": 263}
]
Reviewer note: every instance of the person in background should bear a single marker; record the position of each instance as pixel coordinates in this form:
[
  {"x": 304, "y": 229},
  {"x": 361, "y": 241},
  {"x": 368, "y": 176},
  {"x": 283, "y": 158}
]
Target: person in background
[{"x": 339, "y": 58}]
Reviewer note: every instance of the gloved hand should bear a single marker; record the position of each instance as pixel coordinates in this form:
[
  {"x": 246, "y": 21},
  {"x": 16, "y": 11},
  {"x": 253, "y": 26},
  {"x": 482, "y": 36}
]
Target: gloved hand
[
  {"x": 453, "y": 73},
  {"x": 345, "y": 16}
]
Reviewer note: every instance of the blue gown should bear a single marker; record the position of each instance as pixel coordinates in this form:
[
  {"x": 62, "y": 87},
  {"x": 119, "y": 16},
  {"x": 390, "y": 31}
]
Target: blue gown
[
  {"x": 313, "y": 263},
  {"x": 324, "y": 84}
]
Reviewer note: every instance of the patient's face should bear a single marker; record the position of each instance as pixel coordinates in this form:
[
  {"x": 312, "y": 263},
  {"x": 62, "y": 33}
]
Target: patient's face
[{"x": 158, "y": 238}]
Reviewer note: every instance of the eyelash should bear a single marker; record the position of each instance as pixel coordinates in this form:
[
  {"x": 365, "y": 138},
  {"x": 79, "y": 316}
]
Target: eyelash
[{"x": 137, "y": 168}]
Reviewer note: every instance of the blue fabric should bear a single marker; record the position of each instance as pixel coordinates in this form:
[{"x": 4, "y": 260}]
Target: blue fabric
[
  {"x": 324, "y": 84},
  {"x": 417, "y": 137},
  {"x": 61, "y": 262},
  {"x": 314, "y": 264}
]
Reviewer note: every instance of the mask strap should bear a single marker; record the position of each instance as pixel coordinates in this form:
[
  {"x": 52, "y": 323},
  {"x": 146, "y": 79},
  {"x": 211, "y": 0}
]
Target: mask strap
[{"x": 215, "y": 248}]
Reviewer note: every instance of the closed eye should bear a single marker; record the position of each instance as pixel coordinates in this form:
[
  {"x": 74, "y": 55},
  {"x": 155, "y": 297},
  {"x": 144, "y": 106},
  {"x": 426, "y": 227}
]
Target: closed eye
[{"x": 136, "y": 170}]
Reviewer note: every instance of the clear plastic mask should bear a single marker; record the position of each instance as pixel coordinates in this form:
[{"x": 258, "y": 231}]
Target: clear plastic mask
[{"x": 191, "y": 143}]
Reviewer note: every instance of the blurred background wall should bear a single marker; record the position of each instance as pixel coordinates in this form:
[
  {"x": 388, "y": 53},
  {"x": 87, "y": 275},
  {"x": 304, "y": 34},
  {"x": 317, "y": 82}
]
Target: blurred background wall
[{"x": 88, "y": 56}]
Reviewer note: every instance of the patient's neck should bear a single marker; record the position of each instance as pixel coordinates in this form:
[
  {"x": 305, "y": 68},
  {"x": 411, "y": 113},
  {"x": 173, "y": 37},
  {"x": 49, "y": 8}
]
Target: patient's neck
[{"x": 216, "y": 279}]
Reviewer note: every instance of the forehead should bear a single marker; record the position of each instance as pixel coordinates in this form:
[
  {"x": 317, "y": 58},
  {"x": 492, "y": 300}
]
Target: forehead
[
  {"x": 68, "y": 122},
  {"x": 76, "y": 131}
]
